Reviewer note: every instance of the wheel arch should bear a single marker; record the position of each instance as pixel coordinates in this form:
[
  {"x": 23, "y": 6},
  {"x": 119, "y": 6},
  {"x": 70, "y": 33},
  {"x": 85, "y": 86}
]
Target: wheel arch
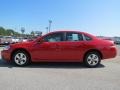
[
  {"x": 20, "y": 49},
  {"x": 94, "y": 50}
]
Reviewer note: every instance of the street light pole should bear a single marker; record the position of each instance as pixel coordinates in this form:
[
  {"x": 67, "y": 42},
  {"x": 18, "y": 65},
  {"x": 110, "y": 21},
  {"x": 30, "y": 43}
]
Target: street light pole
[{"x": 50, "y": 21}]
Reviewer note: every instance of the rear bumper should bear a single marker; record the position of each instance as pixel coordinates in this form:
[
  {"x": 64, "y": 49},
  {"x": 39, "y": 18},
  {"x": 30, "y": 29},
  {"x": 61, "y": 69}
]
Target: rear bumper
[
  {"x": 6, "y": 55},
  {"x": 109, "y": 52}
]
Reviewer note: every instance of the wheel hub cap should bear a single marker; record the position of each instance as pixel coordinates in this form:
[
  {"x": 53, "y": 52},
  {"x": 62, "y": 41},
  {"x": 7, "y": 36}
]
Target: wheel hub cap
[
  {"x": 20, "y": 58},
  {"x": 93, "y": 59}
]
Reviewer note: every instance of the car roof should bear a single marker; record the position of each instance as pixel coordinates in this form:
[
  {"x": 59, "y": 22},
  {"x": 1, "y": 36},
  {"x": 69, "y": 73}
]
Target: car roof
[
  {"x": 73, "y": 31},
  {"x": 62, "y": 31},
  {"x": 66, "y": 31}
]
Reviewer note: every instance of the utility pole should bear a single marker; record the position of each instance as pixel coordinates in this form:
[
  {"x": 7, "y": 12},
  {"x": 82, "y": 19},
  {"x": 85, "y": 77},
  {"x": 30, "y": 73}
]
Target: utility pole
[{"x": 50, "y": 22}]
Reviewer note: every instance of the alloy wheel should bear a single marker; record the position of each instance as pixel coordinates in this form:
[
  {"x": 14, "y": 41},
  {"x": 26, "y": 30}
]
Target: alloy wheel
[{"x": 20, "y": 58}]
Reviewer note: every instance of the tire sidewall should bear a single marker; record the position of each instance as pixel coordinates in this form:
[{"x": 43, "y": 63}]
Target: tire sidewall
[
  {"x": 27, "y": 58},
  {"x": 86, "y": 62}
]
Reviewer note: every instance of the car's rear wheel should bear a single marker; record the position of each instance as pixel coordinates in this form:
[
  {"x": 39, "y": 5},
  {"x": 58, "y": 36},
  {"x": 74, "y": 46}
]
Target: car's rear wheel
[
  {"x": 21, "y": 58},
  {"x": 92, "y": 59}
]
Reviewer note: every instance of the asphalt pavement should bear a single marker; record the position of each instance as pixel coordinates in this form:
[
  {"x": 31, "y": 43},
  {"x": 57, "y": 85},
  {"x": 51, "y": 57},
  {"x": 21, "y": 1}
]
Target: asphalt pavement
[{"x": 61, "y": 76}]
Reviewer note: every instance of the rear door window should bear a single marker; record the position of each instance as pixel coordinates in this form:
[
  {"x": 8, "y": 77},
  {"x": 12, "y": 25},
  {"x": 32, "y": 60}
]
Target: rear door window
[{"x": 71, "y": 36}]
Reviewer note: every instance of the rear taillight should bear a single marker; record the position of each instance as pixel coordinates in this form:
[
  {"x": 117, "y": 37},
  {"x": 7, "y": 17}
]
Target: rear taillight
[{"x": 112, "y": 43}]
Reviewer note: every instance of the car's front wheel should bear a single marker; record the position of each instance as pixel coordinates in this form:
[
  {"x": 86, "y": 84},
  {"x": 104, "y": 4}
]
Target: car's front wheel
[
  {"x": 92, "y": 59},
  {"x": 21, "y": 58}
]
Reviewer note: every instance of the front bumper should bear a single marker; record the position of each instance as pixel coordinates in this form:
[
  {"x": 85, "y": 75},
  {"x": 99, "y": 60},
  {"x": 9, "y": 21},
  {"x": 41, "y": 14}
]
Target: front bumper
[{"x": 6, "y": 55}]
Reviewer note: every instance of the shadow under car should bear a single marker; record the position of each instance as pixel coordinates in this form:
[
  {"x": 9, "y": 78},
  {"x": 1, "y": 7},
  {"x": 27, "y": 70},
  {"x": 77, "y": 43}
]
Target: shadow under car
[{"x": 67, "y": 65}]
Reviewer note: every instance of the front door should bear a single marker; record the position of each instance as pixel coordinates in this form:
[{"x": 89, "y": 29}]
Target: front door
[{"x": 49, "y": 49}]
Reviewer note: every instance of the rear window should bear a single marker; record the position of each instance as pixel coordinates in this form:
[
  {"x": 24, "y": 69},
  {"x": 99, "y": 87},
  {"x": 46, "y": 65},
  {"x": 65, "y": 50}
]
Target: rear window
[{"x": 87, "y": 38}]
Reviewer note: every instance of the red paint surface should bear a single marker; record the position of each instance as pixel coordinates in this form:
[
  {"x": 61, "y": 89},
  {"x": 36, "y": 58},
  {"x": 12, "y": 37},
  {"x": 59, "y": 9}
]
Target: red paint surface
[{"x": 64, "y": 51}]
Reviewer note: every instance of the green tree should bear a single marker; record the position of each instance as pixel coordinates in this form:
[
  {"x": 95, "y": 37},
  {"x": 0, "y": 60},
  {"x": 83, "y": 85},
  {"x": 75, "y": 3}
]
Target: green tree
[
  {"x": 33, "y": 33},
  {"x": 2, "y": 31},
  {"x": 10, "y": 32}
]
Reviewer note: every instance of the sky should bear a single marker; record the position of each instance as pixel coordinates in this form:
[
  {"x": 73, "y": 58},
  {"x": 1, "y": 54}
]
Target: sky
[{"x": 98, "y": 17}]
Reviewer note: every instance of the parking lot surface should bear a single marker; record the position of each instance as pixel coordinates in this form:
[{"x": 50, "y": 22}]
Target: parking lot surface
[{"x": 61, "y": 76}]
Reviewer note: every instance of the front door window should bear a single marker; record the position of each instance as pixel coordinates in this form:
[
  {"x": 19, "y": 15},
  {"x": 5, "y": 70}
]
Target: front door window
[{"x": 56, "y": 37}]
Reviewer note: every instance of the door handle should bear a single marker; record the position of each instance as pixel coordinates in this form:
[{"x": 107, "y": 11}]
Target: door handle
[{"x": 80, "y": 45}]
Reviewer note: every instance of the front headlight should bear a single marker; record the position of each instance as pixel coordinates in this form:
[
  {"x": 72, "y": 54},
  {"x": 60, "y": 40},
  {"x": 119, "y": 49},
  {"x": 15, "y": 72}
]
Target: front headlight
[{"x": 6, "y": 48}]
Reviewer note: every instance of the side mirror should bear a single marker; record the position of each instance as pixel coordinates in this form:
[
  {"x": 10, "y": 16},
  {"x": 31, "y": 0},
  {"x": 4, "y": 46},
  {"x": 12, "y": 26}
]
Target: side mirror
[{"x": 40, "y": 41}]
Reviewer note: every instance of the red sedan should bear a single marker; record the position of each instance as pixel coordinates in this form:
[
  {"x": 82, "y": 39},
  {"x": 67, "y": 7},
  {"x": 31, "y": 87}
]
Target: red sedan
[{"x": 61, "y": 46}]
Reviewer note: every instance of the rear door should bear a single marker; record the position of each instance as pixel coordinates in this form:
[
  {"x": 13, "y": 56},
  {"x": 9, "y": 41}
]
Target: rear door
[{"x": 73, "y": 48}]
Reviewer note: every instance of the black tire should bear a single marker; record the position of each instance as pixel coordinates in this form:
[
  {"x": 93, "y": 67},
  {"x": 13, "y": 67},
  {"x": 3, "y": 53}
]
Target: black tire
[
  {"x": 25, "y": 61},
  {"x": 89, "y": 62}
]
